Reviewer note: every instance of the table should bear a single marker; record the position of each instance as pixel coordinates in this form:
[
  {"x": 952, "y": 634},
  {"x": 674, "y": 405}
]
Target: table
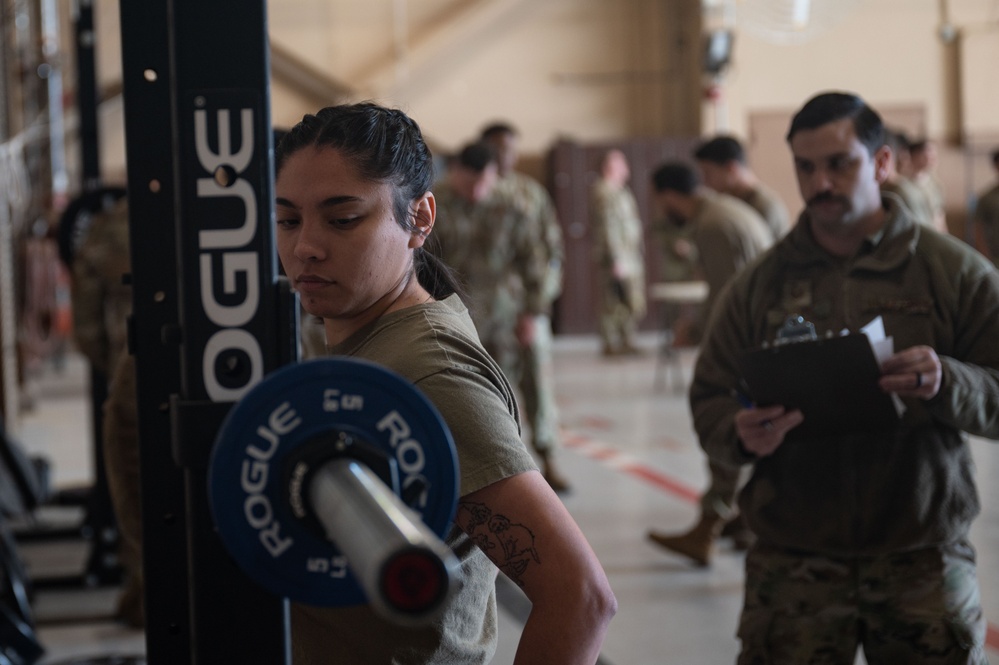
[{"x": 670, "y": 295}]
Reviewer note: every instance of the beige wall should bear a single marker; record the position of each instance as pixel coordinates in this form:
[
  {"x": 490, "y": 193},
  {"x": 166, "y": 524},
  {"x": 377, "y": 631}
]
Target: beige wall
[
  {"x": 591, "y": 70},
  {"x": 600, "y": 70},
  {"x": 891, "y": 53}
]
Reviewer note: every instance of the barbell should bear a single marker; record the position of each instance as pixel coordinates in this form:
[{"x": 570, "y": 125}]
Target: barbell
[{"x": 332, "y": 482}]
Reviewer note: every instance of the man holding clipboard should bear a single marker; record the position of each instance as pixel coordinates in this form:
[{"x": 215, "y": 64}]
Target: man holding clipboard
[{"x": 862, "y": 531}]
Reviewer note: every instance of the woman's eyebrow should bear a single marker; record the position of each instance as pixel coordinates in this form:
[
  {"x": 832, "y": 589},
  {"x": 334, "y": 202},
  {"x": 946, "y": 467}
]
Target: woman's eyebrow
[
  {"x": 325, "y": 203},
  {"x": 337, "y": 200}
]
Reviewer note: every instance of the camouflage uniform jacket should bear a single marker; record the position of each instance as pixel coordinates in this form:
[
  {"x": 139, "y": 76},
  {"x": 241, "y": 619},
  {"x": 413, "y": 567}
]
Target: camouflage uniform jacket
[
  {"x": 675, "y": 268},
  {"x": 490, "y": 247},
  {"x": 101, "y": 301},
  {"x": 987, "y": 216},
  {"x": 766, "y": 202},
  {"x": 535, "y": 204},
  {"x": 617, "y": 229},
  {"x": 872, "y": 492},
  {"x": 728, "y": 234},
  {"x": 932, "y": 190},
  {"x": 912, "y": 197}
]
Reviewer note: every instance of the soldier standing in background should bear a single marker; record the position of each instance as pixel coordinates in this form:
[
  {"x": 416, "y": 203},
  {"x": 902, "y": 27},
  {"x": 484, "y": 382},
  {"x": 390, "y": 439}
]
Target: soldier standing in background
[
  {"x": 536, "y": 383},
  {"x": 102, "y": 304},
  {"x": 619, "y": 252},
  {"x": 922, "y": 160},
  {"x": 495, "y": 250},
  {"x": 986, "y": 218},
  {"x": 730, "y": 235},
  {"x": 901, "y": 186}
]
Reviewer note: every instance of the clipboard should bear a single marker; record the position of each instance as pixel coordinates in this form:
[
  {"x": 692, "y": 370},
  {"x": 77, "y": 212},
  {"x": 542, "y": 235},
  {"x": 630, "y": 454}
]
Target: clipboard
[{"x": 833, "y": 380}]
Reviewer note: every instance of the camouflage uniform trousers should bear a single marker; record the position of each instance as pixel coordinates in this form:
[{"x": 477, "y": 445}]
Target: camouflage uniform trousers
[
  {"x": 622, "y": 305},
  {"x": 918, "y": 607},
  {"x": 530, "y": 369},
  {"x": 121, "y": 459},
  {"x": 722, "y": 494},
  {"x": 537, "y": 387}
]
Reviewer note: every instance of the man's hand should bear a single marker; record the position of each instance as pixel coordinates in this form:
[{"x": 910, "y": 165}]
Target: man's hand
[
  {"x": 683, "y": 248},
  {"x": 763, "y": 429},
  {"x": 914, "y": 372},
  {"x": 526, "y": 329}
]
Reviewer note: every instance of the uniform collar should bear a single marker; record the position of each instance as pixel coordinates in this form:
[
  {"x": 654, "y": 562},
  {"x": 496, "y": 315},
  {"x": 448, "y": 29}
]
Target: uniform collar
[{"x": 885, "y": 250}]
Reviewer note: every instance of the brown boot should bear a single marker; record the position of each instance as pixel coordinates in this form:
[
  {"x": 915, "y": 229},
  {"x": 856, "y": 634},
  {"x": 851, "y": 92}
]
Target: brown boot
[{"x": 697, "y": 544}]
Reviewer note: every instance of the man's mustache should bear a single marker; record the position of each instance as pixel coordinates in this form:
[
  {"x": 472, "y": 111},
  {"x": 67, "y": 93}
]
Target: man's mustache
[{"x": 826, "y": 197}]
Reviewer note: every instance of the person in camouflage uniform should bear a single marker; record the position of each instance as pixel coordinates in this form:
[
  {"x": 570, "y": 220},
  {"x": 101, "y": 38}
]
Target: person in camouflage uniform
[
  {"x": 490, "y": 244},
  {"x": 536, "y": 383},
  {"x": 862, "y": 536},
  {"x": 101, "y": 301},
  {"x": 723, "y": 166},
  {"x": 102, "y": 304},
  {"x": 986, "y": 218},
  {"x": 898, "y": 184},
  {"x": 730, "y": 234},
  {"x": 922, "y": 161},
  {"x": 619, "y": 253}
]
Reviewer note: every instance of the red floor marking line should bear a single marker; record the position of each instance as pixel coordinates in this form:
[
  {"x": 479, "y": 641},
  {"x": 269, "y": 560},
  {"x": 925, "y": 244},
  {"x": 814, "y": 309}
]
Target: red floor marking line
[
  {"x": 602, "y": 453},
  {"x": 661, "y": 481},
  {"x": 596, "y": 422}
]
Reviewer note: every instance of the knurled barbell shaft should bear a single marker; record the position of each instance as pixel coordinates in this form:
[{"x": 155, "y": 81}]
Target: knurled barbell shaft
[{"x": 373, "y": 529}]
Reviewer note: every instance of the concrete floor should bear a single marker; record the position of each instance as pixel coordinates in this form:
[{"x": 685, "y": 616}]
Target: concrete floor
[{"x": 635, "y": 464}]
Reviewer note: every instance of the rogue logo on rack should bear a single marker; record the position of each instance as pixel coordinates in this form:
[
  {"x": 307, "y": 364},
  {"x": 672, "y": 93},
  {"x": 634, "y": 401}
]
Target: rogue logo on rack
[{"x": 226, "y": 254}]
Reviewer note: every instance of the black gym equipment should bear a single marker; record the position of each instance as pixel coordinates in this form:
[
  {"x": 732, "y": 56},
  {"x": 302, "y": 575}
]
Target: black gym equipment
[
  {"x": 22, "y": 488},
  {"x": 104, "y": 660},
  {"x": 18, "y": 645}
]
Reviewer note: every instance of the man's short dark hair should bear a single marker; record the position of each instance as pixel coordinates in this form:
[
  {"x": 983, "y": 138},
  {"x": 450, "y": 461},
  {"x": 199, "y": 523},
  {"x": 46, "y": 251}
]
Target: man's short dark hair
[
  {"x": 675, "y": 177},
  {"x": 721, "y": 150},
  {"x": 829, "y": 107},
  {"x": 497, "y": 129},
  {"x": 476, "y": 156},
  {"x": 995, "y": 158}
]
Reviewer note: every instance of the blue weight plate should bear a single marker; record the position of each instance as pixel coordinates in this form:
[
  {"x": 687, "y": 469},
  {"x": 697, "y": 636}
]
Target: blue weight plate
[{"x": 290, "y": 407}]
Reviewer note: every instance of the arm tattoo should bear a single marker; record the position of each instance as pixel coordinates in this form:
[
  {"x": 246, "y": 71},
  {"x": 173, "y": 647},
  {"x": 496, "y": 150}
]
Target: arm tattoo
[{"x": 509, "y": 545}]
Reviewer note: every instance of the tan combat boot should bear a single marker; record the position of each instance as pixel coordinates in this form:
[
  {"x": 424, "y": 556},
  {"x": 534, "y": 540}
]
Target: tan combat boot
[{"x": 697, "y": 544}]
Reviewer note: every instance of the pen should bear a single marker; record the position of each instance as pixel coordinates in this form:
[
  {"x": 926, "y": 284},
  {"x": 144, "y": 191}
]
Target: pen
[
  {"x": 743, "y": 399},
  {"x": 748, "y": 404}
]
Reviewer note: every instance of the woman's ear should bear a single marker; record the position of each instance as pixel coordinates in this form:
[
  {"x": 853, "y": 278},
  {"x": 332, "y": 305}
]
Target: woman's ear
[{"x": 423, "y": 220}]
